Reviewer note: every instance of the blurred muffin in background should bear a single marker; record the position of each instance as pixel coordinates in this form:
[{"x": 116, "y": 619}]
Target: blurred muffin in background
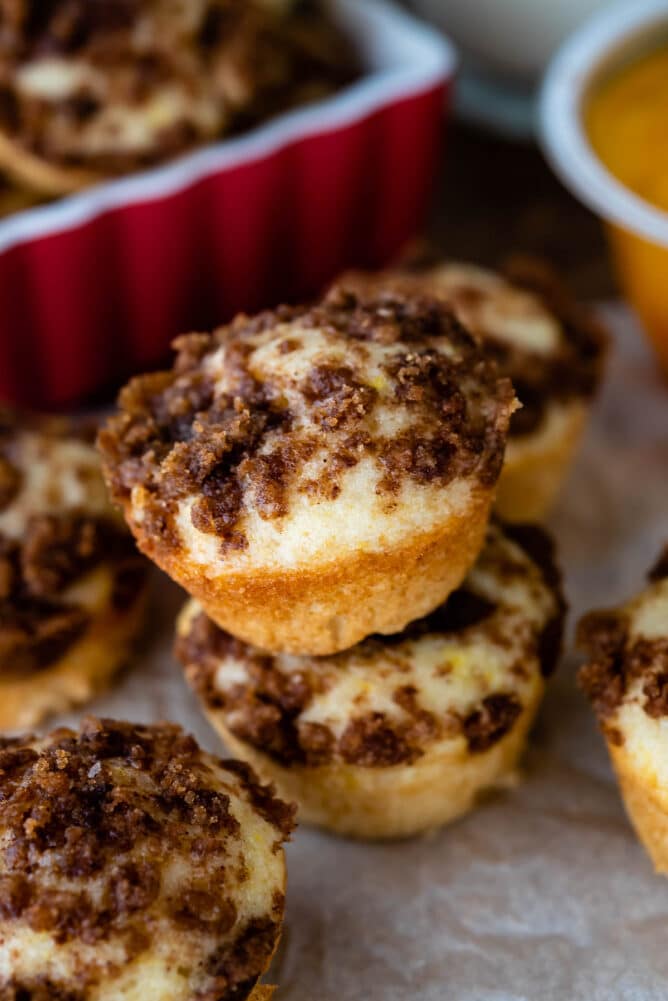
[
  {"x": 92, "y": 90},
  {"x": 550, "y": 347},
  {"x": 72, "y": 585}
]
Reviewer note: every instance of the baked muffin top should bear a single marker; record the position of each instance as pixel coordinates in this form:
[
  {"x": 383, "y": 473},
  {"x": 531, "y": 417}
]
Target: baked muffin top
[
  {"x": 114, "y": 84},
  {"x": 277, "y": 437},
  {"x": 551, "y": 348},
  {"x": 463, "y": 673},
  {"x": 63, "y": 551},
  {"x": 626, "y": 677},
  {"x": 133, "y": 865}
]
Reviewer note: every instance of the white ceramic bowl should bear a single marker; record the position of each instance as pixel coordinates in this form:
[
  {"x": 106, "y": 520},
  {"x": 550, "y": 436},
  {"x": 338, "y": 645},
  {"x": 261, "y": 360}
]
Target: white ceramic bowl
[
  {"x": 637, "y": 230},
  {"x": 510, "y": 38},
  {"x": 607, "y": 39}
]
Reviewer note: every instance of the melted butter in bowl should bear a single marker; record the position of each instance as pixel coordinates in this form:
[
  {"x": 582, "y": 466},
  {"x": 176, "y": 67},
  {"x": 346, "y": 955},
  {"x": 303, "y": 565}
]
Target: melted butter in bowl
[
  {"x": 604, "y": 127},
  {"x": 626, "y": 119}
]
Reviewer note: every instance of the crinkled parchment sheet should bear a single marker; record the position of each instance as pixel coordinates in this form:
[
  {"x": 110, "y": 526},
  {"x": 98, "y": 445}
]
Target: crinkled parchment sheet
[{"x": 543, "y": 893}]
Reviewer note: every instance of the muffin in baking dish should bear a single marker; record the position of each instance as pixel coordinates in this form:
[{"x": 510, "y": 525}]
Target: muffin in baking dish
[
  {"x": 314, "y": 474},
  {"x": 551, "y": 348},
  {"x": 13, "y": 198},
  {"x": 626, "y": 679},
  {"x": 93, "y": 89},
  {"x": 135, "y": 866},
  {"x": 72, "y": 584},
  {"x": 401, "y": 733}
]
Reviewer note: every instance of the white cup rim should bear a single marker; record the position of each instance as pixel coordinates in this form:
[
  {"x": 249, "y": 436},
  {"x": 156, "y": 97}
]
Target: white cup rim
[{"x": 560, "y": 126}]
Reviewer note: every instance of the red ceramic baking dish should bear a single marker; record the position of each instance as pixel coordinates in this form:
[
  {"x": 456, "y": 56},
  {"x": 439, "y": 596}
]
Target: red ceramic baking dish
[{"x": 95, "y": 286}]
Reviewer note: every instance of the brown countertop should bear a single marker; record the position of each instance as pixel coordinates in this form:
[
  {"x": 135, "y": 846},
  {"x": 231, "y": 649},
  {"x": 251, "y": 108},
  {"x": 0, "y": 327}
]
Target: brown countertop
[{"x": 496, "y": 197}]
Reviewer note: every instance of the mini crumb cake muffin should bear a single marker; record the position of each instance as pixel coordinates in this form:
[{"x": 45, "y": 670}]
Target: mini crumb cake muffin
[
  {"x": 72, "y": 584},
  {"x": 551, "y": 349},
  {"x": 314, "y": 474},
  {"x": 134, "y": 866},
  {"x": 94, "y": 88},
  {"x": 402, "y": 733},
  {"x": 626, "y": 679}
]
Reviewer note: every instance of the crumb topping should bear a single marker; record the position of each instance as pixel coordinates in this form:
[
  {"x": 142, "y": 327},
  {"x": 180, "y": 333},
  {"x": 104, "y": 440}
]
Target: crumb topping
[
  {"x": 39, "y": 619},
  {"x": 465, "y": 671},
  {"x": 628, "y": 653},
  {"x": 245, "y": 424},
  {"x": 551, "y": 348},
  {"x": 126, "y": 843},
  {"x": 617, "y": 662},
  {"x": 47, "y": 465},
  {"x": 492, "y": 721},
  {"x": 114, "y": 86},
  {"x": 37, "y": 989}
]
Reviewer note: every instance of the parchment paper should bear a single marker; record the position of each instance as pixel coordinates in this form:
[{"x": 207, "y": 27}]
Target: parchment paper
[{"x": 542, "y": 893}]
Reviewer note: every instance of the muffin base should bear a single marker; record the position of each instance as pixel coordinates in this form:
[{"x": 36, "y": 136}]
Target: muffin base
[
  {"x": 398, "y": 801},
  {"x": 536, "y": 465},
  {"x": 85, "y": 669},
  {"x": 325, "y": 608},
  {"x": 646, "y": 812},
  {"x": 39, "y": 175}
]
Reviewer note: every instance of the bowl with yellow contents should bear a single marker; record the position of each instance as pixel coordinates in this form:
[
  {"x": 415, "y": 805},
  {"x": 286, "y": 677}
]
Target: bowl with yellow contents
[{"x": 603, "y": 120}]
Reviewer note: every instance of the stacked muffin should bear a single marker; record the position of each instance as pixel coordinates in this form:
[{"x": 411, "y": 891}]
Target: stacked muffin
[{"x": 320, "y": 479}]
